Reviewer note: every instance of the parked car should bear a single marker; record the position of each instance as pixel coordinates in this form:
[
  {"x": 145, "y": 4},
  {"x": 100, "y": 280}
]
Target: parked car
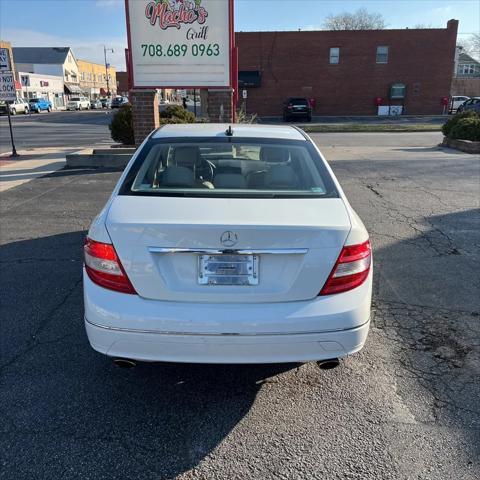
[
  {"x": 78, "y": 103},
  {"x": 95, "y": 103},
  {"x": 470, "y": 104},
  {"x": 40, "y": 104},
  {"x": 20, "y": 105},
  {"x": 456, "y": 101},
  {"x": 297, "y": 108},
  {"x": 106, "y": 102},
  {"x": 118, "y": 102},
  {"x": 227, "y": 246}
]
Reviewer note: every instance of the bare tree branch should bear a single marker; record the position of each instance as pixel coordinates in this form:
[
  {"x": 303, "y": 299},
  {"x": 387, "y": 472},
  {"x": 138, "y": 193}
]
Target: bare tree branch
[{"x": 359, "y": 20}]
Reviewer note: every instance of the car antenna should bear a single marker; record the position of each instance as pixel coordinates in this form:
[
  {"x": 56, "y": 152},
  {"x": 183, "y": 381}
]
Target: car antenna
[{"x": 229, "y": 131}]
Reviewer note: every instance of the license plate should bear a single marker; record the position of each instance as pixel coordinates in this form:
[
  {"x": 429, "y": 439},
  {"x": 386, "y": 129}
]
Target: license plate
[{"x": 228, "y": 269}]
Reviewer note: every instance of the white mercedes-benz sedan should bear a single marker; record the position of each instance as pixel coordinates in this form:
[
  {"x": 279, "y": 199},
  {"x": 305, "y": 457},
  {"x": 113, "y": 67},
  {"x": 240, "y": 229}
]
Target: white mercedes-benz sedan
[{"x": 227, "y": 244}]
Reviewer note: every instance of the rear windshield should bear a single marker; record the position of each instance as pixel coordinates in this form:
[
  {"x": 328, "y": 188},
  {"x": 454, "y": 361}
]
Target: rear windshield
[
  {"x": 299, "y": 101},
  {"x": 75, "y": 99},
  {"x": 34, "y": 100},
  {"x": 229, "y": 168}
]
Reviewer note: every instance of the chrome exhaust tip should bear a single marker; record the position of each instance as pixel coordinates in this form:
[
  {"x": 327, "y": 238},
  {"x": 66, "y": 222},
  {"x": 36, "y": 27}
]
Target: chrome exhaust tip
[
  {"x": 328, "y": 364},
  {"x": 124, "y": 363}
]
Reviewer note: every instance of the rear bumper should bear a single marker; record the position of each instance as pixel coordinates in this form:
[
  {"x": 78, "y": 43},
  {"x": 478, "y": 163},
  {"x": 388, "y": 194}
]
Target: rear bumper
[
  {"x": 298, "y": 114},
  {"x": 129, "y": 326},
  {"x": 197, "y": 348}
]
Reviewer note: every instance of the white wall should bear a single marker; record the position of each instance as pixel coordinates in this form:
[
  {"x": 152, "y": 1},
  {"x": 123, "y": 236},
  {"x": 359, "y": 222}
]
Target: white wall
[{"x": 47, "y": 86}]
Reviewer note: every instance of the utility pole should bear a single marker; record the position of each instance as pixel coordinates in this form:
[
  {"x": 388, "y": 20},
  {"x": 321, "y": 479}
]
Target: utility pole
[{"x": 105, "y": 50}]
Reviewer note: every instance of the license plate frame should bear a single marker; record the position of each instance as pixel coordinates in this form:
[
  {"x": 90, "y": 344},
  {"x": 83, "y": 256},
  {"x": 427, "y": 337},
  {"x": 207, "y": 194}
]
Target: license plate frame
[{"x": 228, "y": 269}]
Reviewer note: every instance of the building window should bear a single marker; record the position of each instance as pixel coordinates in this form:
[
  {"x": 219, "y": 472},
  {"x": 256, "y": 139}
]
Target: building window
[
  {"x": 382, "y": 54},
  {"x": 397, "y": 91},
  {"x": 334, "y": 55},
  {"x": 466, "y": 69}
]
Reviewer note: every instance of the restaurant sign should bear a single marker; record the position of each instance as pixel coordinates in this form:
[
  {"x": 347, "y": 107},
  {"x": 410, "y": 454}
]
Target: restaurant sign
[{"x": 180, "y": 43}]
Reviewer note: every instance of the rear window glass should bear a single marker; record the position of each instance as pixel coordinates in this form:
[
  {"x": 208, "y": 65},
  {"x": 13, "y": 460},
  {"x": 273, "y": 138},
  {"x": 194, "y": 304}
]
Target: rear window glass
[
  {"x": 75, "y": 99},
  {"x": 237, "y": 168},
  {"x": 299, "y": 101}
]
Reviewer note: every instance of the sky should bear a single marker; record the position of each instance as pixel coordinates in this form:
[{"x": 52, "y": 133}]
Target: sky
[{"x": 87, "y": 25}]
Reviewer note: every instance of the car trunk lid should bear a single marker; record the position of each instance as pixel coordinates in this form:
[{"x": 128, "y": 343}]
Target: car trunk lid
[{"x": 293, "y": 245}]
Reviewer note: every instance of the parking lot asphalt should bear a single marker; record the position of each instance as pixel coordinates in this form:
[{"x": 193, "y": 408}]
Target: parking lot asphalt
[{"x": 406, "y": 407}]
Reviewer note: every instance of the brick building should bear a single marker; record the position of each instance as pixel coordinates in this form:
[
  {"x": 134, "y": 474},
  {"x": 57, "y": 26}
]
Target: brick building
[
  {"x": 345, "y": 71},
  {"x": 93, "y": 79}
]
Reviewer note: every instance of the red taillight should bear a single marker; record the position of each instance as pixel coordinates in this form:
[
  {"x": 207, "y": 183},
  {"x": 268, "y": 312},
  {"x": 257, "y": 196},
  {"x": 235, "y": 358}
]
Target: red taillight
[
  {"x": 351, "y": 269},
  {"x": 104, "y": 268}
]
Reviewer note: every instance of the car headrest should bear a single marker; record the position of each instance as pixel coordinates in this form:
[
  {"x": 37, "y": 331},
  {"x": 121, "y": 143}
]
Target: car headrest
[
  {"x": 186, "y": 156},
  {"x": 274, "y": 154},
  {"x": 177, "y": 176},
  {"x": 229, "y": 180},
  {"x": 281, "y": 176}
]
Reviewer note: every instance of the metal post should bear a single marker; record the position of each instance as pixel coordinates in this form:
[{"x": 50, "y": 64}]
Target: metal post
[
  {"x": 195, "y": 103},
  {"x": 14, "y": 150},
  {"x": 106, "y": 69},
  {"x": 105, "y": 50}
]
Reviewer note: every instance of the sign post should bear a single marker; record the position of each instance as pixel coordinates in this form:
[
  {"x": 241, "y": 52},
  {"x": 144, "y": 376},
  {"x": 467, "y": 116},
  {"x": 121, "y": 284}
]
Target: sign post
[{"x": 8, "y": 94}]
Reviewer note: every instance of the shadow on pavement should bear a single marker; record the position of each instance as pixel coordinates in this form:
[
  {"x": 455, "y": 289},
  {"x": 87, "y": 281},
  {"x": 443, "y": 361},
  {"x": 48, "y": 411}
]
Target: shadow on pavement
[{"x": 72, "y": 410}]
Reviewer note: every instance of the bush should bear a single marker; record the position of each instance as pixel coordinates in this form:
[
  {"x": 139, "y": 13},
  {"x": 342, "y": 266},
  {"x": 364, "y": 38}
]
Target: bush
[
  {"x": 448, "y": 126},
  {"x": 121, "y": 127},
  {"x": 178, "y": 114},
  {"x": 467, "y": 128}
]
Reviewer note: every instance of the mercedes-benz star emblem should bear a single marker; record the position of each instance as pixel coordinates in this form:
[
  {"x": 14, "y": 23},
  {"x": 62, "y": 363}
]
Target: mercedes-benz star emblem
[{"x": 228, "y": 238}]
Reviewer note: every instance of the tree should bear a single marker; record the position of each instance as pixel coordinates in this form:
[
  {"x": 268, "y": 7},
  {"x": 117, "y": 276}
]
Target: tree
[
  {"x": 471, "y": 45},
  {"x": 359, "y": 20}
]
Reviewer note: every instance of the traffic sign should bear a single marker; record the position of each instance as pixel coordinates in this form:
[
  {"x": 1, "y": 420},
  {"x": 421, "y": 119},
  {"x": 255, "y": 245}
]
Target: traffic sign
[
  {"x": 244, "y": 94},
  {"x": 7, "y": 87},
  {"x": 4, "y": 60}
]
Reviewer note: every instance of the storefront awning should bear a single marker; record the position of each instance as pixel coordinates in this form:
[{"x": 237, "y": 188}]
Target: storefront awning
[
  {"x": 72, "y": 88},
  {"x": 249, "y": 79}
]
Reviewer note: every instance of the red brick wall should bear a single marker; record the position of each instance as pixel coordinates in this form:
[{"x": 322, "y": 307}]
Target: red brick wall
[
  {"x": 219, "y": 107},
  {"x": 146, "y": 116},
  {"x": 122, "y": 79},
  {"x": 297, "y": 64}
]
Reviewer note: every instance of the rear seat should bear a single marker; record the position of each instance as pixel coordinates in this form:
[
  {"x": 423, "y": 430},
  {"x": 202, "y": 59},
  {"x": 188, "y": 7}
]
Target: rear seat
[{"x": 229, "y": 180}]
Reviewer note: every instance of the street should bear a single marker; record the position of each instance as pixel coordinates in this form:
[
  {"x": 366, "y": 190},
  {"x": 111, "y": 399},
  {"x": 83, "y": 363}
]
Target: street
[
  {"x": 405, "y": 407},
  {"x": 57, "y": 129}
]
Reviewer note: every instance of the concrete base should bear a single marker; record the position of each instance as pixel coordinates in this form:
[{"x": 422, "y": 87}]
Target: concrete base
[
  {"x": 100, "y": 158},
  {"x": 464, "y": 145}
]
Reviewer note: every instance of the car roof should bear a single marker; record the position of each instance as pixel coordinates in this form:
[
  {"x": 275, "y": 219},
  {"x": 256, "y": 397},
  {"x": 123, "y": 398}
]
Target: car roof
[{"x": 283, "y": 132}]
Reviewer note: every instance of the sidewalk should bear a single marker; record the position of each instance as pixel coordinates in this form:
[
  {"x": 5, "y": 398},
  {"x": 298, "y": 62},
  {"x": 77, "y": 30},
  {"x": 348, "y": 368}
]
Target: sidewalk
[
  {"x": 31, "y": 164},
  {"x": 365, "y": 120}
]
